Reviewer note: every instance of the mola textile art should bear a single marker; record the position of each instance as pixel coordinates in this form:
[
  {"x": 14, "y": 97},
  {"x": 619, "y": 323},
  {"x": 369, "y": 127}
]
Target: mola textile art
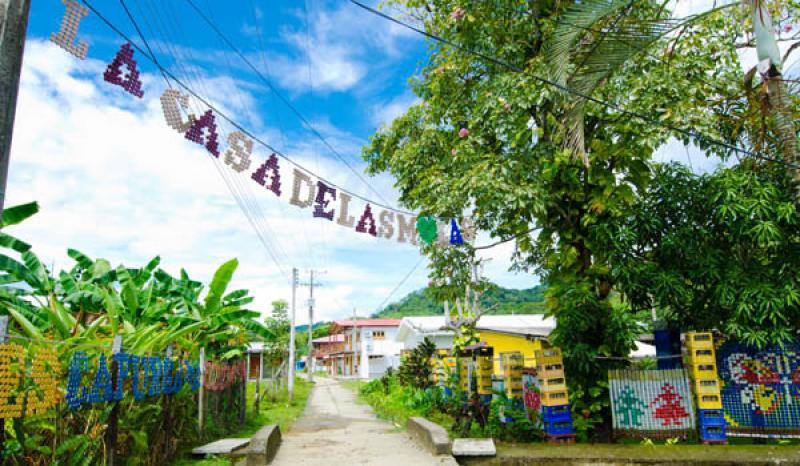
[
  {"x": 760, "y": 389},
  {"x": 651, "y": 403}
]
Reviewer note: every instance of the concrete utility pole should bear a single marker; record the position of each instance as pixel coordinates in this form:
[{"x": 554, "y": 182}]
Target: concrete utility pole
[
  {"x": 13, "y": 26},
  {"x": 291, "y": 336},
  {"x": 310, "y": 358},
  {"x": 353, "y": 346}
]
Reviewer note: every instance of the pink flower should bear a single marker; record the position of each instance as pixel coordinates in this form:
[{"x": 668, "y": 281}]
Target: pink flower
[
  {"x": 453, "y": 152},
  {"x": 463, "y": 132},
  {"x": 507, "y": 106},
  {"x": 458, "y": 13},
  {"x": 787, "y": 28}
]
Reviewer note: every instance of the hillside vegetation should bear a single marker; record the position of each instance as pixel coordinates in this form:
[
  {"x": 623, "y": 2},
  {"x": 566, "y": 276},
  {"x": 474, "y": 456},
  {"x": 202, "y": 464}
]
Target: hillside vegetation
[{"x": 507, "y": 301}]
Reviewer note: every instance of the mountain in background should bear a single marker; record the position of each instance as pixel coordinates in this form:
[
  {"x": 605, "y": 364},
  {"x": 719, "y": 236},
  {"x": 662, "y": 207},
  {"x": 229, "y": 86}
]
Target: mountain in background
[{"x": 508, "y": 301}]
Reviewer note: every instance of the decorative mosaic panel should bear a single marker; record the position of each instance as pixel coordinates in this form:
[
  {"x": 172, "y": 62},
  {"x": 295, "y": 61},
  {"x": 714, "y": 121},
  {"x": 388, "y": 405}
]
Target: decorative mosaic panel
[
  {"x": 531, "y": 393},
  {"x": 651, "y": 404},
  {"x": 760, "y": 390}
]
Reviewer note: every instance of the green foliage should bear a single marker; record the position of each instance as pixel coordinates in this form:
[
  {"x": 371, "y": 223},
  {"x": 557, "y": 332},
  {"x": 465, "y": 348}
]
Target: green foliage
[
  {"x": 500, "y": 300},
  {"x": 716, "y": 251},
  {"x": 415, "y": 369},
  {"x": 85, "y": 307},
  {"x": 508, "y": 421}
]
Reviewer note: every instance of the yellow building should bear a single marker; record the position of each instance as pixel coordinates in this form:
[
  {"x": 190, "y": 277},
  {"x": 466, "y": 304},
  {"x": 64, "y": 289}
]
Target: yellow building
[{"x": 525, "y": 341}]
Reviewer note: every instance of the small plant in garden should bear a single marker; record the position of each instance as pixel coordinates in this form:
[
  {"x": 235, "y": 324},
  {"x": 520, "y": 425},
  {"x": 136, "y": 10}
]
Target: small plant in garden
[{"x": 416, "y": 367}]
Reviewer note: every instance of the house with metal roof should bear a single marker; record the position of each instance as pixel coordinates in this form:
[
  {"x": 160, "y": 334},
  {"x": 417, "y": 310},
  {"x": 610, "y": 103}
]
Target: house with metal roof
[{"x": 369, "y": 347}]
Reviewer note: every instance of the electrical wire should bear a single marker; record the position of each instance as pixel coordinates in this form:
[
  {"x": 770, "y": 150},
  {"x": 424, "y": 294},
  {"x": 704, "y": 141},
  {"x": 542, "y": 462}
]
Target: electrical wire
[
  {"x": 647, "y": 119},
  {"x": 233, "y": 122},
  {"x": 408, "y": 275},
  {"x": 284, "y": 100}
]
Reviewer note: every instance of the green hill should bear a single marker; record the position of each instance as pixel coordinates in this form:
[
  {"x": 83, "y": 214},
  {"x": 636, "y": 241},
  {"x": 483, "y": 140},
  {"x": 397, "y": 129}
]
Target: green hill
[{"x": 418, "y": 303}]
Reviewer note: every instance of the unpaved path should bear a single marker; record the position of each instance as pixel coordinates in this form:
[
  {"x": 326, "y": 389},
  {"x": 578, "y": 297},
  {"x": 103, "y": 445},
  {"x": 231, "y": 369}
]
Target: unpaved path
[{"x": 335, "y": 430}]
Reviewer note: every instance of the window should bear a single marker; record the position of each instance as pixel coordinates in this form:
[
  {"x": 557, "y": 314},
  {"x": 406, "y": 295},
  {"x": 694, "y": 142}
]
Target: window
[{"x": 378, "y": 335}]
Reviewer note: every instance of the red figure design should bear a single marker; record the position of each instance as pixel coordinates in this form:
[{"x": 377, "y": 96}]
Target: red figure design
[
  {"x": 531, "y": 397},
  {"x": 670, "y": 408}
]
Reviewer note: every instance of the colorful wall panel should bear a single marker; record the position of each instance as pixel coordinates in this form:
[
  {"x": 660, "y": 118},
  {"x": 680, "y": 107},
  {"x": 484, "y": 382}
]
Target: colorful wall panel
[
  {"x": 651, "y": 404},
  {"x": 760, "y": 390}
]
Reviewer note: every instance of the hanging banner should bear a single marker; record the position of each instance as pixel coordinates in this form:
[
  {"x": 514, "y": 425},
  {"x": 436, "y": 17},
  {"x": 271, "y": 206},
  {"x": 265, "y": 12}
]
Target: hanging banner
[
  {"x": 327, "y": 202},
  {"x": 760, "y": 390},
  {"x": 652, "y": 404}
]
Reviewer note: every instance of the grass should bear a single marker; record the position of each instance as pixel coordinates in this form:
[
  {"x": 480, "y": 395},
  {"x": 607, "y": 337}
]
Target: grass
[{"x": 279, "y": 412}]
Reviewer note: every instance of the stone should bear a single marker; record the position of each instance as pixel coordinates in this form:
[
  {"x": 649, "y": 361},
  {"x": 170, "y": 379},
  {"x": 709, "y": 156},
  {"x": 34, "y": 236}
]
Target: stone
[
  {"x": 431, "y": 436},
  {"x": 224, "y": 446},
  {"x": 474, "y": 447}
]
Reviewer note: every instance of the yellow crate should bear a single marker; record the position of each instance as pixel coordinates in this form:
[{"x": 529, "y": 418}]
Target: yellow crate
[
  {"x": 708, "y": 401},
  {"x": 699, "y": 340},
  {"x": 547, "y": 356},
  {"x": 554, "y": 398},
  {"x": 702, "y": 356},
  {"x": 553, "y": 384},
  {"x": 703, "y": 371},
  {"x": 706, "y": 387}
]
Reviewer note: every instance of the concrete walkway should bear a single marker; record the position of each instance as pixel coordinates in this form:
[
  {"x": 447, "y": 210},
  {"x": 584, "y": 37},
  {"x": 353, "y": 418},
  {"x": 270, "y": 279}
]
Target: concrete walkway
[{"x": 336, "y": 430}]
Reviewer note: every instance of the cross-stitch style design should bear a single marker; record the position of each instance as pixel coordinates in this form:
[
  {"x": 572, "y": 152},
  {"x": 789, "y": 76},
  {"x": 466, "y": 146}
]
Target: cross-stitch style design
[
  {"x": 530, "y": 392},
  {"x": 653, "y": 404},
  {"x": 760, "y": 390},
  {"x": 12, "y": 366},
  {"x": 65, "y": 37},
  {"x": 195, "y": 133},
  {"x": 129, "y": 82}
]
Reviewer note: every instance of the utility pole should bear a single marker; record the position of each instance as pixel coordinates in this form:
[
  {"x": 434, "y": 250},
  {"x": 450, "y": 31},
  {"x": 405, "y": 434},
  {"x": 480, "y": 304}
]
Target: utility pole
[
  {"x": 353, "y": 344},
  {"x": 310, "y": 358},
  {"x": 13, "y": 27},
  {"x": 291, "y": 336}
]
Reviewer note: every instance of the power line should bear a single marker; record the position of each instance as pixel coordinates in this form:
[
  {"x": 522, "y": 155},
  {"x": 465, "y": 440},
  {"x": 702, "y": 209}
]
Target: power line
[
  {"x": 401, "y": 282},
  {"x": 582, "y": 95},
  {"x": 284, "y": 99},
  {"x": 230, "y": 120},
  {"x": 141, "y": 36}
]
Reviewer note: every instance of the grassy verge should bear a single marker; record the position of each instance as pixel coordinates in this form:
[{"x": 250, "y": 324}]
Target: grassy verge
[{"x": 279, "y": 411}]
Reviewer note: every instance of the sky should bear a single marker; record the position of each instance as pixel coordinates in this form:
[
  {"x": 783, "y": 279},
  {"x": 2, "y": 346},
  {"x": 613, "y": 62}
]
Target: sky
[{"x": 113, "y": 180}]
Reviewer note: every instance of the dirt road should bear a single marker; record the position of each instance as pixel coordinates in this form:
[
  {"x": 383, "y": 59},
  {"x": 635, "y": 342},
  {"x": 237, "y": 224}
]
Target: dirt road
[{"x": 336, "y": 430}]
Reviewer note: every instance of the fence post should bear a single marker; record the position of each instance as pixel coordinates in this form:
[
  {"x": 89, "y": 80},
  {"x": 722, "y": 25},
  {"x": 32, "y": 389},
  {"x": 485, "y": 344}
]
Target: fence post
[
  {"x": 200, "y": 392},
  {"x": 113, "y": 417},
  {"x": 3, "y": 329},
  {"x": 3, "y": 339}
]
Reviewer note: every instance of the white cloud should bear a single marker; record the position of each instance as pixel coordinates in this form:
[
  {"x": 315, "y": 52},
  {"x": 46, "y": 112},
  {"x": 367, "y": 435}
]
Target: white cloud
[
  {"x": 337, "y": 50},
  {"x": 385, "y": 113}
]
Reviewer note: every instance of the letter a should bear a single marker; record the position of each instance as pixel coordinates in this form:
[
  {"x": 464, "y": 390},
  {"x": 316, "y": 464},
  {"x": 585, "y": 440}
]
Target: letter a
[
  {"x": 65, "y": 37},
  {"x": 113, "y": 73},
  {"x": 367, "y": 217},
  {"x": 195, "y": 133},
  {"x": 260, "y": 175}
]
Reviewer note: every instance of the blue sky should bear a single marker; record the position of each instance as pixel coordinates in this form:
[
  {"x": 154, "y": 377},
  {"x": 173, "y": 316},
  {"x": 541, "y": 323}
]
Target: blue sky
[{"x": 114, "y": 181}]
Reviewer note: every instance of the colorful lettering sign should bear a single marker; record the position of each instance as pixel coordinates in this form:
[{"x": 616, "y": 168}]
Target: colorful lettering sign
[{"x": 149, "y": 376}]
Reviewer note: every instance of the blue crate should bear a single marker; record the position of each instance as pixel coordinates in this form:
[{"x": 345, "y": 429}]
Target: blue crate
[
  {"x": 711, "y": 417},
  {"x": 556, "y": 413},
  {"x": 713, "y": 434},
  {"x": 563, "y": 427}
]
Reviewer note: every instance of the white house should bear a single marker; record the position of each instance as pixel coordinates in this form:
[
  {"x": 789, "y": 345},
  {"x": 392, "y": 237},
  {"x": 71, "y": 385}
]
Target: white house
[
  {"x": 370, "y": 347},
  {"x": 413, "y": 330}
]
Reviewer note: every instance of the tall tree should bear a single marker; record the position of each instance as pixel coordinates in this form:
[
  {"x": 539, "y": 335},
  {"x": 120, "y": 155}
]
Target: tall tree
[{"x": 500, "y": 145}]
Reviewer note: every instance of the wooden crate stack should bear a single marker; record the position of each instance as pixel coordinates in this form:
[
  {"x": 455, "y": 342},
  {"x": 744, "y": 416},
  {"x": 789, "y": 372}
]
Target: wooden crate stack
[{"x": 702, "y": 363}]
